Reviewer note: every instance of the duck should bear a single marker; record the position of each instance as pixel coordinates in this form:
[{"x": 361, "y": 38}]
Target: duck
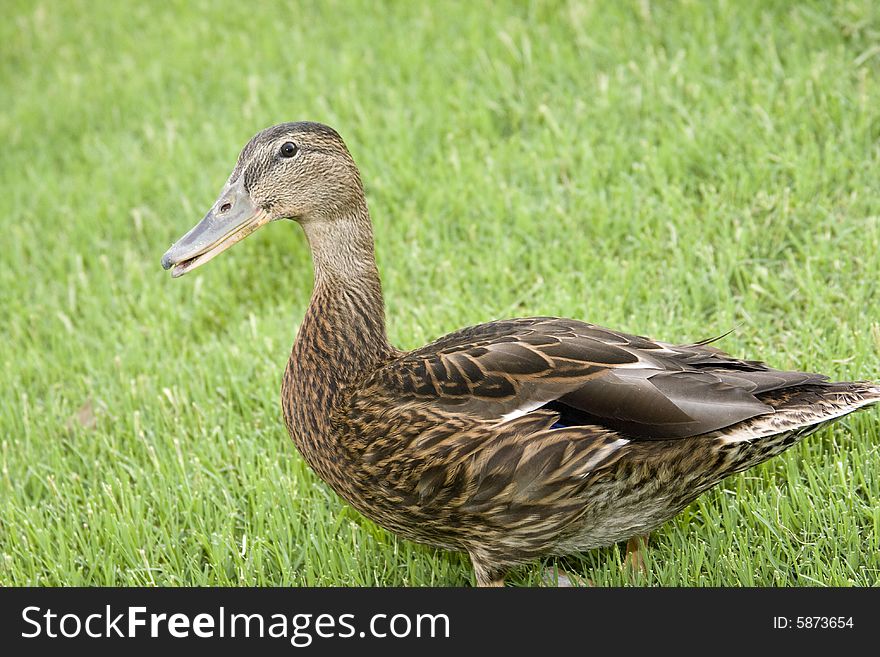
[{"x": 511, "y": 441}]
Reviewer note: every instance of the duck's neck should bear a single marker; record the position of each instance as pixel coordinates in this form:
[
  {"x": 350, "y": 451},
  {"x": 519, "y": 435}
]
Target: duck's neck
[{"x": 342, "y": 338}]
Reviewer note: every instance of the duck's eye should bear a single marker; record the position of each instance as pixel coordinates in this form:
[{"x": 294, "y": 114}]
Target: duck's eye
[{"x": 288, "y": 149}]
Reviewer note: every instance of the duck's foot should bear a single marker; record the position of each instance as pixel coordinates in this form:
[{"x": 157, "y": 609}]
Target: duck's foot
[
  {"x": 490, "y": 583},
  {"x": 634, "y": 553},
  {"x": 560, "y": 579}
]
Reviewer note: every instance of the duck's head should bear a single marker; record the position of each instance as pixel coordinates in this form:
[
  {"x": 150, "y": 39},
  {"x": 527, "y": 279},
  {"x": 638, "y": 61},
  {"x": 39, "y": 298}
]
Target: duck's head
[{"x": 299, "y": 171}]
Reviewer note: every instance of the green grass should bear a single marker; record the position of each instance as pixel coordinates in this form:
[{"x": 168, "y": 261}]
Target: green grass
[{"x": 672, "y": 169}]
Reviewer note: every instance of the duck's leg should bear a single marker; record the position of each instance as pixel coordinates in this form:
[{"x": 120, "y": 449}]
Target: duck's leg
[
  {"x": 634, "y": 548},
  {"x": 563, "y": 580},
  {"x": 487, "y": 575}
]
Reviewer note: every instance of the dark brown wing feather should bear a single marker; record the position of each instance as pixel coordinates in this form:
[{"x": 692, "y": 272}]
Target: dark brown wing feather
[{"x": 589, "y": 375}]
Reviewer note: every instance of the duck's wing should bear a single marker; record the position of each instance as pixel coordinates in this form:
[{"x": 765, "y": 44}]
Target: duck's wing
[{"x": 588, "y": 375}]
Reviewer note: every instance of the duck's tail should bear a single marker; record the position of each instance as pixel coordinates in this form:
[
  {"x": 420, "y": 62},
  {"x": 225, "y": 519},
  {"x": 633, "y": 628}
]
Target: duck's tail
[
  {"x": 804, "y": 409},
  {"x": 798, "y": 412}
]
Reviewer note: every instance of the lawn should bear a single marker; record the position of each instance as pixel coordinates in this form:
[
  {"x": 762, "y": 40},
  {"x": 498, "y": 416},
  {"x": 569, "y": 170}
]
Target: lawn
[{"x": 672, "y": 169}]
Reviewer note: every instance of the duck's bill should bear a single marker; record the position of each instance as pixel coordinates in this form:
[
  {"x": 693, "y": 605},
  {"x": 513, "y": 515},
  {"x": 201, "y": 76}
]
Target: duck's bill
[{"x": 233, "y": 217}]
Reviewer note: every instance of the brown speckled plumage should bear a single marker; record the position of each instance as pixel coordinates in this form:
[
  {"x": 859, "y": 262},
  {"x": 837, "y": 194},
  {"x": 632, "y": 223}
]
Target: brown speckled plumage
[{"x": 513, "y": 439}]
